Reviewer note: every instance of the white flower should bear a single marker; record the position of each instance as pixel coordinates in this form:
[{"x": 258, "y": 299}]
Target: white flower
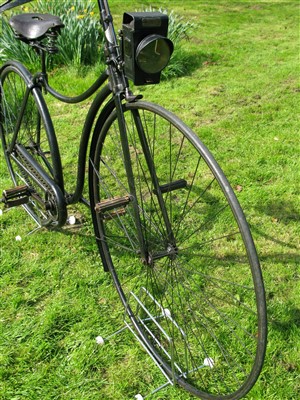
[
  {"x": 208, "y": 362},
  {"x": 18, "y": 238},
  {"x": 167, "y": 313},
  {"x": 72, "y": 220},
  {"x": 99, "y": 340}
]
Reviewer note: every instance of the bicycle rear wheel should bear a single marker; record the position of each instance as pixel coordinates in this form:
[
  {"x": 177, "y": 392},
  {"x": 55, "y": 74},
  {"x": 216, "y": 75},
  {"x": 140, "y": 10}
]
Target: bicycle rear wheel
[
  {"x": 30, "y": 147},
  {"x": 192, "y": 287}
]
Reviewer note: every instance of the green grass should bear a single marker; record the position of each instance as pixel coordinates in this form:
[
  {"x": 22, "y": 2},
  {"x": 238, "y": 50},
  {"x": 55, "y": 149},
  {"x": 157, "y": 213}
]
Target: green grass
[{"x": 242, "y": 98}]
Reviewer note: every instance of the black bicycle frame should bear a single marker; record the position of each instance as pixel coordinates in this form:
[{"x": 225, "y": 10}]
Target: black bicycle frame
[
  {"x": 118, "y": 84},
  {"x": 117, "y": 90}
]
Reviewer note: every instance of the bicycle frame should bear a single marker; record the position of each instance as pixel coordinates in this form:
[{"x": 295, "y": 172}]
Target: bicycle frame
[
  {"x": 110, "y": 97},
  {"x": 118, "y": 85}
]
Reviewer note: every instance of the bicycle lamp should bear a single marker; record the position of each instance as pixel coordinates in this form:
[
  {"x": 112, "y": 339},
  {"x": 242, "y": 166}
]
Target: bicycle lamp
[{"x": 146, "y": 49}]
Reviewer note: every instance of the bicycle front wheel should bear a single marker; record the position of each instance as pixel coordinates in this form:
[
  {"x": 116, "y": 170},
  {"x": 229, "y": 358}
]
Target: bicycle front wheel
[{"x": 186, "y": 268}]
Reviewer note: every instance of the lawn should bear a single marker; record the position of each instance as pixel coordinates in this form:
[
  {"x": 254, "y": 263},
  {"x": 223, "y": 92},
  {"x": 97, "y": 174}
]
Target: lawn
[{"x": 241, "y": 96}]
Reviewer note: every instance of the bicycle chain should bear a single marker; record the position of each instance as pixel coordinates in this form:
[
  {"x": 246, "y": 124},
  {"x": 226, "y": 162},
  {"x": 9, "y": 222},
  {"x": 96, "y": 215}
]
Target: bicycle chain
[{"x": 44, "y": 186}]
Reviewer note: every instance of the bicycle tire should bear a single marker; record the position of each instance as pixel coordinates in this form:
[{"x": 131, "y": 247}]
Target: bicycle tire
[
  {"x": 197, "y": 305},
  {"x": 39, "y": 165}
]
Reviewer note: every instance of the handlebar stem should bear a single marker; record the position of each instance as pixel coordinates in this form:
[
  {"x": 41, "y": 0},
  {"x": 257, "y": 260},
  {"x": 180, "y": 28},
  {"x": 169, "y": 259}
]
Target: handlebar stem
[{"x": 118, "y": 81}]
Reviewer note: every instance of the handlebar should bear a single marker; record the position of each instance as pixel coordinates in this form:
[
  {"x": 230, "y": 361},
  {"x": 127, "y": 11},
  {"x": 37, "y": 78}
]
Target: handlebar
[{"x": 7, "y": 5}]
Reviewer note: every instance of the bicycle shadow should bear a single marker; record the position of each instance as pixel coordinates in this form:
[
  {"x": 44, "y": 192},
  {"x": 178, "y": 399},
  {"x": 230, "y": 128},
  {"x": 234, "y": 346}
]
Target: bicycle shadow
[
  {"x": 281, "y": 210},
  {"x": 284, "y": 317},
  {"x": 292, "y": 319}
]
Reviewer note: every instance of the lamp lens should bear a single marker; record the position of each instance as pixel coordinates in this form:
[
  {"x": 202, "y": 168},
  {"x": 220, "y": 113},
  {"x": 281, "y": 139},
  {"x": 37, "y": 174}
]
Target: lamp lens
[{"x": 153, "y": 54}]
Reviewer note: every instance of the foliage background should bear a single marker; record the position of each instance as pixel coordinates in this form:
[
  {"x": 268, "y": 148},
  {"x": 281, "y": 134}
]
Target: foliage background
[
  {"x": 241, "y": 96},
  {"x": 80, "y": 42}
]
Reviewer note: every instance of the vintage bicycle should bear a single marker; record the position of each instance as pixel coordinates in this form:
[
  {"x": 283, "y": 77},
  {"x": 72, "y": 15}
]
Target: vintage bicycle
[{"x": 167, "y": 223}]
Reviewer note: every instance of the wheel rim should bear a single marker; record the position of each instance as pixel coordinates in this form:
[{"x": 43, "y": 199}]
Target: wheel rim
[
  {"x": 207, "y": 331},
  {"x": 33, "y": 137}
]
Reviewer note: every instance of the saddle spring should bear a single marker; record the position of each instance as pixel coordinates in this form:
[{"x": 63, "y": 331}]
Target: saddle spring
[{"x": 51, "y": 40}]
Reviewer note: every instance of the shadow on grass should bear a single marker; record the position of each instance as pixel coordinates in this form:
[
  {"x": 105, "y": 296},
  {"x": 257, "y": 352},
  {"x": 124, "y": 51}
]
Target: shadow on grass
[
  {"x": 292, "y": 318},
  {"x": 285, "y": 323},
  {"x": 185, "y": 63},
  {"x": 282, "y": 211}
]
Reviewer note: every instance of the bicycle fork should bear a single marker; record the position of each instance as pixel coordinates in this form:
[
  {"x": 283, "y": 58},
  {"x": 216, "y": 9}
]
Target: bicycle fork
[{"x": 170, "y": 249}]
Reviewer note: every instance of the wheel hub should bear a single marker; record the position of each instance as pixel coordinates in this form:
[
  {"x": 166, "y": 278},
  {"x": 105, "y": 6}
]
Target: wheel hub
[{"x": 171, "y": 252}]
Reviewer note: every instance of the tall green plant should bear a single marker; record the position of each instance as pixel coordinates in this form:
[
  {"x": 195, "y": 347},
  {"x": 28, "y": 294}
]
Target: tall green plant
[
  {"x": 81, "y": 40},
  {"x": 14, "y": 49},
  {"x": 79, "y": 43}
]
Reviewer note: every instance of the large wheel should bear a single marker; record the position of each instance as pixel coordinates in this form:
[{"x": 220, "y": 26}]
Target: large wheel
[
  {"x": 35, "y": 140},
  {"x": 185, "y": 267}
]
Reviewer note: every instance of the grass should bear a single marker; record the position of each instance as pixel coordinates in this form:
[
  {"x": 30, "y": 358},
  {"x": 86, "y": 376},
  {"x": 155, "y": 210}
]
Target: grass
[{"x": 241, "y": 96}]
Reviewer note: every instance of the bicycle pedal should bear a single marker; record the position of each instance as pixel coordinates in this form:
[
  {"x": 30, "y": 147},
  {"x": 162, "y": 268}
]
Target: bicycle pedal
[
  {"x": 16, "y": 196},
  {"x": 113, "y": 214},
  {"x": 113, "y": 204},
  {"x": 169, "y": 187}
]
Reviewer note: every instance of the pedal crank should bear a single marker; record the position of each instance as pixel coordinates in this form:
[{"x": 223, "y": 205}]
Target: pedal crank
[{"x": 16, "y": 196}]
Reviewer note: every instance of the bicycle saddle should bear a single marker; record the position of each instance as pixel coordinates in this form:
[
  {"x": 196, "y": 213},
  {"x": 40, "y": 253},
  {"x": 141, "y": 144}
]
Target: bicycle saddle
[{"x": 34, "y": 25}]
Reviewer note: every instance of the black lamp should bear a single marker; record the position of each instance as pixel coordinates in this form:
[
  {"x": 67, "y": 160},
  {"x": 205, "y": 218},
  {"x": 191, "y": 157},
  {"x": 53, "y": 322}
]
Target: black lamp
[{"x": 146, "y": 49}]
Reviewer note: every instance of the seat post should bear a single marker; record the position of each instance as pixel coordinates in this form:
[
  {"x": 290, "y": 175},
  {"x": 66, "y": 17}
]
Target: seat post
[
  {"x": 42, "y": 76},
  {"x": 43, "y": 62}
]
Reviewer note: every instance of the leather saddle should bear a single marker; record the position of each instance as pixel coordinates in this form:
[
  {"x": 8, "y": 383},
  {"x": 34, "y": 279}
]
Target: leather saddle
[{"x": 32, "y": 26}]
